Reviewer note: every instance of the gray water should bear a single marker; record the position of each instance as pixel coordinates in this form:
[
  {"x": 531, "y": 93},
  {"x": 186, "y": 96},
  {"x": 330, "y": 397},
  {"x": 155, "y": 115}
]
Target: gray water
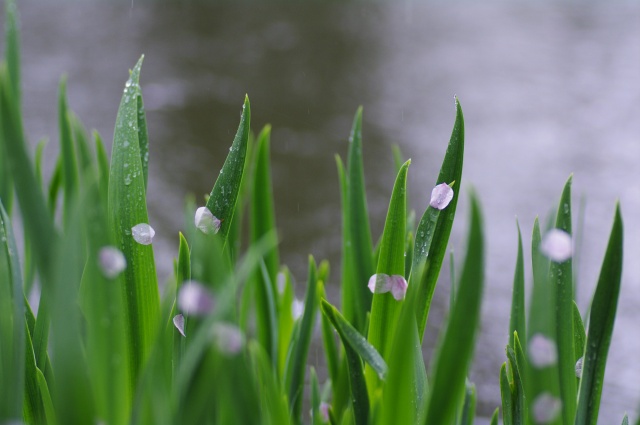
[{"x": 547, "y": 90}]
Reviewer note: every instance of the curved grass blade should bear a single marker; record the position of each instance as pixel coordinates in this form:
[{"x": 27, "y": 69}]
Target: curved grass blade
[
  {"x": 432, "y": 235},
  {"x": 561, "y": 277},
  {"x": 507, "y": 398},
  {"x": 517, "y": 387},
  {"x": 127, "y": 208},
  {"x": 453, "y": 356},
  {"x": 356, "y": 348},
  {"x": 348, "y": 289},
  {"x": 299, "y": 347},
  {"x": 385, "y": 309},
  {"x": 469, "y": 406},
  {"x": 494, "y": 417},
  {"x": 224, "y": 195},
  {"x": 517, "y": 322},
  {"x": 12, "y": 324},
  {"x": 359, "y": 229},
  {"x": 603, "y": 313}
]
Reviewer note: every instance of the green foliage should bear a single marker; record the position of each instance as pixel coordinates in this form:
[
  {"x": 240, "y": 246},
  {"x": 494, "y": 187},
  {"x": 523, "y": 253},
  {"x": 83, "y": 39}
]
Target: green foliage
[{"x": 106, "y": 347}]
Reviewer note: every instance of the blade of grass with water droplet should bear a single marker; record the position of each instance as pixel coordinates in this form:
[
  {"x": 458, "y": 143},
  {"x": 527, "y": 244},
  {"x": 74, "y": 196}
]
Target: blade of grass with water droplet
[
  {"x": 359, "y": 236},
  {"x": 385, "y": 309},
  {"x": 561, "y": 276},
  {"x": 299, "y": 348},
  {"x": 12, "y": 324},
  {"x": 454, "y": 352},
  {"x": 127, "y": 208},
  {"x": 602, "y": 317},
  {"x": 224, "y": 195},
  {"x": 579, "y": 336},
  {"x": 432, "y": 234}
]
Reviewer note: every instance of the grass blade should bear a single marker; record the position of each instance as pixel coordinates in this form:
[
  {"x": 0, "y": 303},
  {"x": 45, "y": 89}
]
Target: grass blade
[
  {"x": 69, "y": 163},
  {"x": 603, "y": 312},
  {"x": 385, "y": 309},
  {"x": 359, "y": 229},
  {"x": 561, "y": 276},
  {"x": 432, "y": 236},
  {"x": 454, "y": 353},
  {"x": 12, "y": 324},
  {"x": 517, "y": 322},
  {"x": 299, "y": 347},
  {"x": 469, "y": 406},
  {"x": 224, "y": 195},
  {"x": 507, "y": 398},
  {"x": 127, "y": 208},
  {"x": 494, "y": 417}
]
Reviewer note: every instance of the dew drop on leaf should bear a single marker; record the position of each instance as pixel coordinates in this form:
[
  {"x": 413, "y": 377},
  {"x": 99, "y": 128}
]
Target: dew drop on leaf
[
  {"x": 112, "y": 261},
  {"x": 143, "y": 233}
]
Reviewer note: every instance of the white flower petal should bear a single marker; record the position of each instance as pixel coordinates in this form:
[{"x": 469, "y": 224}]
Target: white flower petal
[
  {"x": 194, "y": 299},
  {"x": 398, "y": 287},
  {"x": 143, "y": 233},
  {"x": 178, "y": 322},
  {"x": 379, "y": 283},
  {"x": 228, "y": 338},
  {"x": 206, "y": 222},
  {"x": 112, "y": 261},
  {"x": 542, "y": 351},
  {"x": 557, "y": 245},
  {"x": 441, "y": 195},
  {"x": 546, "y": 408}
]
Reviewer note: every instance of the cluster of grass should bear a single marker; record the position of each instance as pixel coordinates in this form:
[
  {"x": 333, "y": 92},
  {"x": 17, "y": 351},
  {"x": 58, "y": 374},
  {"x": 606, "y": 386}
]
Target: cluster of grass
[{"x": 227, "y": 342}]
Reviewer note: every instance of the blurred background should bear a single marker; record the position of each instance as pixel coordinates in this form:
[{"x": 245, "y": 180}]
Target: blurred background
[{"x": 547, "y": 90}]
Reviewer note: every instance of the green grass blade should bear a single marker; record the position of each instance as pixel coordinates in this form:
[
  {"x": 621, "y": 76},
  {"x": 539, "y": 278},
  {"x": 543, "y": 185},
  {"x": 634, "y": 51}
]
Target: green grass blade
[
  {"x": 70, "y": 178},
  {"x": 517, "y": 388},
  {"x": 561, "y": 276},
  {"x": 103, "y": 308},
  {"x": 385, "y": 309},
  {"x": 454, "y": 353},
  {"x": 263, "y": 222},
  {"x": 517, "y": 322},
  {"x": 224, "y": 195},
  {"x": 469, "y": 406},
  {"x": 103, "y": 166},
  {"x": 34, "y": 411},
  {"x": 579, "y": 336},
  {"x": 360, "y": 231},
  {"x": 431, "y": 239},
  {"x": 602, "y": 317},
  {"x": 328, "y": 341},
  {"x": 295, "y": 369},
  {"x": 47, "y": 403},
  {"x": 83, "y": 151},
  {"x": 403, "y": 390},
  {"x": 494, "y": 417},
  {"x": 285, "y": 319},
  {"x": 315, "y": 398},
  {"x": 274, "y": 408},
  {"x": 356, "y": 348},
  {"x": 127, "y": 208},
  {"x": 507, "y": 399},
  {"x": 12, "y": 324}
]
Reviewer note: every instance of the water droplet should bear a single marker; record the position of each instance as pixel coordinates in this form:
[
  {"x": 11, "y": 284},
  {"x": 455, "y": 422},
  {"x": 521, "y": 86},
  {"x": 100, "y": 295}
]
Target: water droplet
[
  {"x": 127, "y": 179},
  {"x": 128, "y": 83},
  {"x": 112, "y": 261},
  {"x": 566, "y": 208},
  {"x": 542, "y": 351},
  {"x": 126, "y": 144},
  {"x": 546, "y": 408},
  {"x": 557, "y": 245},
  {"x": 441, "y": 195},
  {"x": 143, "y": 233},
  {"x": 579, "y": 367},
  {"x": 220, "y": 171},
  {"x": 194, "y": 299},
  {"x": 228, "y": 338},
  {"x": 178, "y": 322}
]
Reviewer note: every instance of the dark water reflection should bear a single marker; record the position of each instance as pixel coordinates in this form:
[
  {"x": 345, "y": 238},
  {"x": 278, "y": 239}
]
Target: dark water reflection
[{"x": 547, "y": 90}]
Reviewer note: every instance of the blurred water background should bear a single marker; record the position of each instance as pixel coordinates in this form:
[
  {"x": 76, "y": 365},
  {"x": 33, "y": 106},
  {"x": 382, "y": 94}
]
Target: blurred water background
[{"x": 547, "y": 90}]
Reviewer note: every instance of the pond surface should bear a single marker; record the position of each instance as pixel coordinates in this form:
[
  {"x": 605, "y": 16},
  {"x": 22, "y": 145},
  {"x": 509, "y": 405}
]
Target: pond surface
[{"x": 547, "y": 90}]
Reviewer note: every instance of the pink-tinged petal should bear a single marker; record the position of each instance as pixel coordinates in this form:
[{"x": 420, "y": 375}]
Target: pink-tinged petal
[
  {"x": 542, "y": 351},
  {"x": 143, "y": 233},
  {"x": 379, "y": 283},
  {"x": 206, "y": 222},
  {"x": 194, "y": 299},
  {"x": 398, "y": 287},
  {"x": 111, "y": 261},
  {"x": 557, "y": 245},
  {"x": 228, "y": 338},
  {"x": 546, "y": 408},
  {"x": 441, "y": 195},
  {"x": 324, "y": 411},
  {"x": 178, "y": 322}
]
